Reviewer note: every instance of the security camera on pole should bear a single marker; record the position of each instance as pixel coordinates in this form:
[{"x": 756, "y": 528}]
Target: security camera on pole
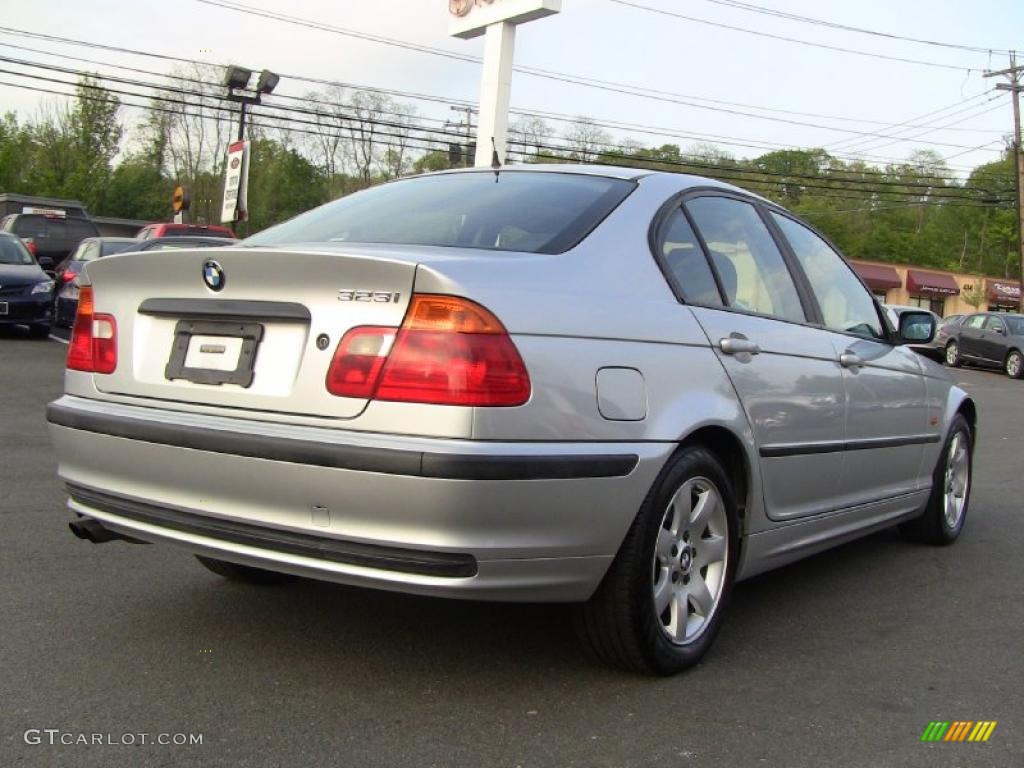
[{"x": 497, "y": 19}]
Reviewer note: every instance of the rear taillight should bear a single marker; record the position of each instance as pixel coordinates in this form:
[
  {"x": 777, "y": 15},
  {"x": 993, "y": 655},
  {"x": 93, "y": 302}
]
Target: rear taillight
[
  {"x": 449, "y": 351},
  {"x": 93, "y": 346},
  {"x": 67, "y": 276},
  {"x": 30, "y": 244}
]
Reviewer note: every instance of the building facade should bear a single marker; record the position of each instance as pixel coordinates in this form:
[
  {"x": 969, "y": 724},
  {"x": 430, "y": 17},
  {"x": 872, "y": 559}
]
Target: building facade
[{"x": 944, "y": 293}]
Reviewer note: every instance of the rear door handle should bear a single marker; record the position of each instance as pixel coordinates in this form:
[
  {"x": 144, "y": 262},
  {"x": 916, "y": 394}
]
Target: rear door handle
[
  {"x": 850, "y": 360},
  {"x": 734, "y": 346}
]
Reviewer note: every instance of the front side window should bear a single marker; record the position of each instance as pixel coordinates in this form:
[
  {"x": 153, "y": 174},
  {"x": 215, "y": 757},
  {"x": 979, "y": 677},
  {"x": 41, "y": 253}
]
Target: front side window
[
  {"x": 846, "y": 305},
  {"x": 995, "y": 324},
  {"x": 750, "y": 267},
  {"x": 686, "y": 263},
  {"x": 525, "y": 211}
]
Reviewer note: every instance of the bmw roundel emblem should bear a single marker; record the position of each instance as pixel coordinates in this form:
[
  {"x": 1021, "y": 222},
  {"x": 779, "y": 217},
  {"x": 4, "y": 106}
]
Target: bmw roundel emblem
[{"x": 213, "y": 275}]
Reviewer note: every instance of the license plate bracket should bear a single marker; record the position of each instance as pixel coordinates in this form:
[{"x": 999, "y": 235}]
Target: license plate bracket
[{"x": 250, "y": 333}]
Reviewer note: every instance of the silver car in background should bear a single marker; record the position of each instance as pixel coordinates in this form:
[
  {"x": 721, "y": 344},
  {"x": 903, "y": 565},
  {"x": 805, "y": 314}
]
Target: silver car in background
[{"x": 611, "y": 387}]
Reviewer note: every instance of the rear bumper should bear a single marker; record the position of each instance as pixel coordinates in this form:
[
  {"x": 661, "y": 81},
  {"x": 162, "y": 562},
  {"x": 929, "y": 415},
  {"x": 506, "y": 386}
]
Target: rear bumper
[{"x": 459, "y": 518}]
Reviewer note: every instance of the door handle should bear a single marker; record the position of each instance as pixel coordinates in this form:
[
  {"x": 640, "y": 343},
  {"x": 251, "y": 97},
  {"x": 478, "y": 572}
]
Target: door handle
[
  {"x": 734, "y": 346},
  {"x": 850, "y": 360}
]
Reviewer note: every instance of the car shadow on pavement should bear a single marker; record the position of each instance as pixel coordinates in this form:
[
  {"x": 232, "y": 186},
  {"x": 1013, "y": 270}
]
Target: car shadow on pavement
[{"x": 353, "y": 631}]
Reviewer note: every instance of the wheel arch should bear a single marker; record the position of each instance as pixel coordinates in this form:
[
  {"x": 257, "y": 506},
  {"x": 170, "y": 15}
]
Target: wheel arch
[
  {"x": 969, "y": 411},
  {"x": 728, "y": 448}
]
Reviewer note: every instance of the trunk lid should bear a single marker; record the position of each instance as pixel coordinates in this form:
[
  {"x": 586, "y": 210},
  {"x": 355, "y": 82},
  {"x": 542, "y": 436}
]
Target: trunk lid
[{"x": 253, "y": 344}]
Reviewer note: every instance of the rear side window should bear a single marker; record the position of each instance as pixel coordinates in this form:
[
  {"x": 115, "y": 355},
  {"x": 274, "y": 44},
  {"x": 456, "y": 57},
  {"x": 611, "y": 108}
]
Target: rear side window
[
  {"x": 12, "y": 251},
  {"x": 535, "y": 212},
  {"x": 29, "y": 226},
  {"x": 975, "y": 321},
  {"x": 81, "y": 252},
  {"x": 685, "y": 262},
  {"x": 108, "y": 248},
  {"x": 846, "y": 305},
  {"x": 754, "y": 275}
]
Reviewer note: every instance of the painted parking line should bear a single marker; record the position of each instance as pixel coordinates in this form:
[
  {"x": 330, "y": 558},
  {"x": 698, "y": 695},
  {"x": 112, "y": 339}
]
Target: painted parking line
[{"x": 58, "y": 338}]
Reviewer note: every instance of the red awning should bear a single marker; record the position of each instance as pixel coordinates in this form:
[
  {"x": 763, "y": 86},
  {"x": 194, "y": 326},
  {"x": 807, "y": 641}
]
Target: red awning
[
  {"x": 877, "y": 277},
  {"x": 935, "y": 283},
  {"x": 1002, "y": 293}
]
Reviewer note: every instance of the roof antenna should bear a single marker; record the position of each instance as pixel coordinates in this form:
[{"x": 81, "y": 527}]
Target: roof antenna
[{"x": 495, "y": 162}]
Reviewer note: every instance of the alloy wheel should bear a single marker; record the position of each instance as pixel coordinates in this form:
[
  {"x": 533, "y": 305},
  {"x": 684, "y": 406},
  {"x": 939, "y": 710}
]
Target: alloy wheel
[
  {"x": 690, "y": 560},
  {"x": 1014, "y": 363},
  {"x": 952, "y": 353},
  {"x": 958, "y": 469}
]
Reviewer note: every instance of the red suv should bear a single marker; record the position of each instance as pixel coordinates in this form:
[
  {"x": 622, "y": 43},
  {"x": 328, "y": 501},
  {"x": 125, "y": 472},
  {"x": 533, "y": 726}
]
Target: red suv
[{"x": 165, "y": 229}]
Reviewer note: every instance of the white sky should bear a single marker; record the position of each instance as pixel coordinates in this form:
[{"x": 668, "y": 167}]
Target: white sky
[{"x": 597, "y": 39}]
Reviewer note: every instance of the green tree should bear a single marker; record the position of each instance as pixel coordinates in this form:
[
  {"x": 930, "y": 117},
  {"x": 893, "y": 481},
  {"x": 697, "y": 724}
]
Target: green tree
[
  {"x": 15, "y": 156},
  {"x": 282, "y": 184}
]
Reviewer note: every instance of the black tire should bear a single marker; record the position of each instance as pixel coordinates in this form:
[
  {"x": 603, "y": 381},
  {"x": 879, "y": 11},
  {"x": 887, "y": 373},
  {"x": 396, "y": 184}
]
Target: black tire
[
  {"x": 619, "y": 623},
  {"x": 932, "y": 526},
  {"x": 39, "y": 331},
  {"x": 245, "y": 573},
  {"x": 952, "y": 355},
  {"x": 1014, "y": 364}
]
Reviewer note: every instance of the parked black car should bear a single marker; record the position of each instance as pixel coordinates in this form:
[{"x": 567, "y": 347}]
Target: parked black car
[
  {"x": 990, "y": 339},
  {"x": 50, "y": 238},
  {"x": 65, "y": 301},
  {"x": 26, "y": 292}
]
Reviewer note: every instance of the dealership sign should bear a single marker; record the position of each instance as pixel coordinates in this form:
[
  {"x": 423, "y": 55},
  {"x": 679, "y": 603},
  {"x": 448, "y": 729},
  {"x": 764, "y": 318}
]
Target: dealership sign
[
  {"x": 1003, "y": 293},
  {"x": 470, "y": 18},
  {"x": 236, "y": 181}
]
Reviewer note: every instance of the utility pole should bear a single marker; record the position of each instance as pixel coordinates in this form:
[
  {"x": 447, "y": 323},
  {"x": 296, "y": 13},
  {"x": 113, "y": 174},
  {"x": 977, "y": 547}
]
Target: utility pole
[
  {"x": 1015, "y": 74},
  {"x": 468, "y": 150}
]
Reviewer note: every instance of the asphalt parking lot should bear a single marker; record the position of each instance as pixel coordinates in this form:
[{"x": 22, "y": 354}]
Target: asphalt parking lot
[{"x": 839, "y": 660}]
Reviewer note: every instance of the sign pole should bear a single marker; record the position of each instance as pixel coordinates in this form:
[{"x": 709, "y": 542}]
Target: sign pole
[
  {"x": 495, "y": 92},
  {"x": 497, "y": 21}
]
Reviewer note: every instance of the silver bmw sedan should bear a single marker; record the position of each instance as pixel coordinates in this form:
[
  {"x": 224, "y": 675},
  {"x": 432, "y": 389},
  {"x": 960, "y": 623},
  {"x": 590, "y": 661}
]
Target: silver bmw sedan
[{"x": 614, "y": 388}]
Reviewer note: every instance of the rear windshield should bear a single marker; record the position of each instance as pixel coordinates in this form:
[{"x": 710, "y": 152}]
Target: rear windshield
[
  {"x": 197, "y": 232},
  {"x": 12, "y": 251},
  {"x": 515, "y": 211},
  {"x": 108, "y": 247},
  {"x": 38, "y": 226}
]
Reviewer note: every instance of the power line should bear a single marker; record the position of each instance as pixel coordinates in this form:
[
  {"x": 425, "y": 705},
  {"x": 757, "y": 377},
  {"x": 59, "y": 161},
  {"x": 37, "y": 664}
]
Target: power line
[
  {"x": 872, "y": 146},
  {"x": 832, "y": 175},
  {"x": 752, "y": 8},
  {"x": 782, "y": 38},
  {"x": 581, "y": 78},
  {"x": 630, "y": 90},
  {"x": 230, "y": 117},
  {"x": 430, "y": 144},
  {"x": 448, "y": 100},
  {"x": 909, "y": 124}
]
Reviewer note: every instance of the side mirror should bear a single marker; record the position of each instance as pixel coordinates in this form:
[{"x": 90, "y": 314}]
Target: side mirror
[
  {"x": 1000, "y": 330},
  {"x": 916, "y": 328},
  {"x": 45, "y": 262}
]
